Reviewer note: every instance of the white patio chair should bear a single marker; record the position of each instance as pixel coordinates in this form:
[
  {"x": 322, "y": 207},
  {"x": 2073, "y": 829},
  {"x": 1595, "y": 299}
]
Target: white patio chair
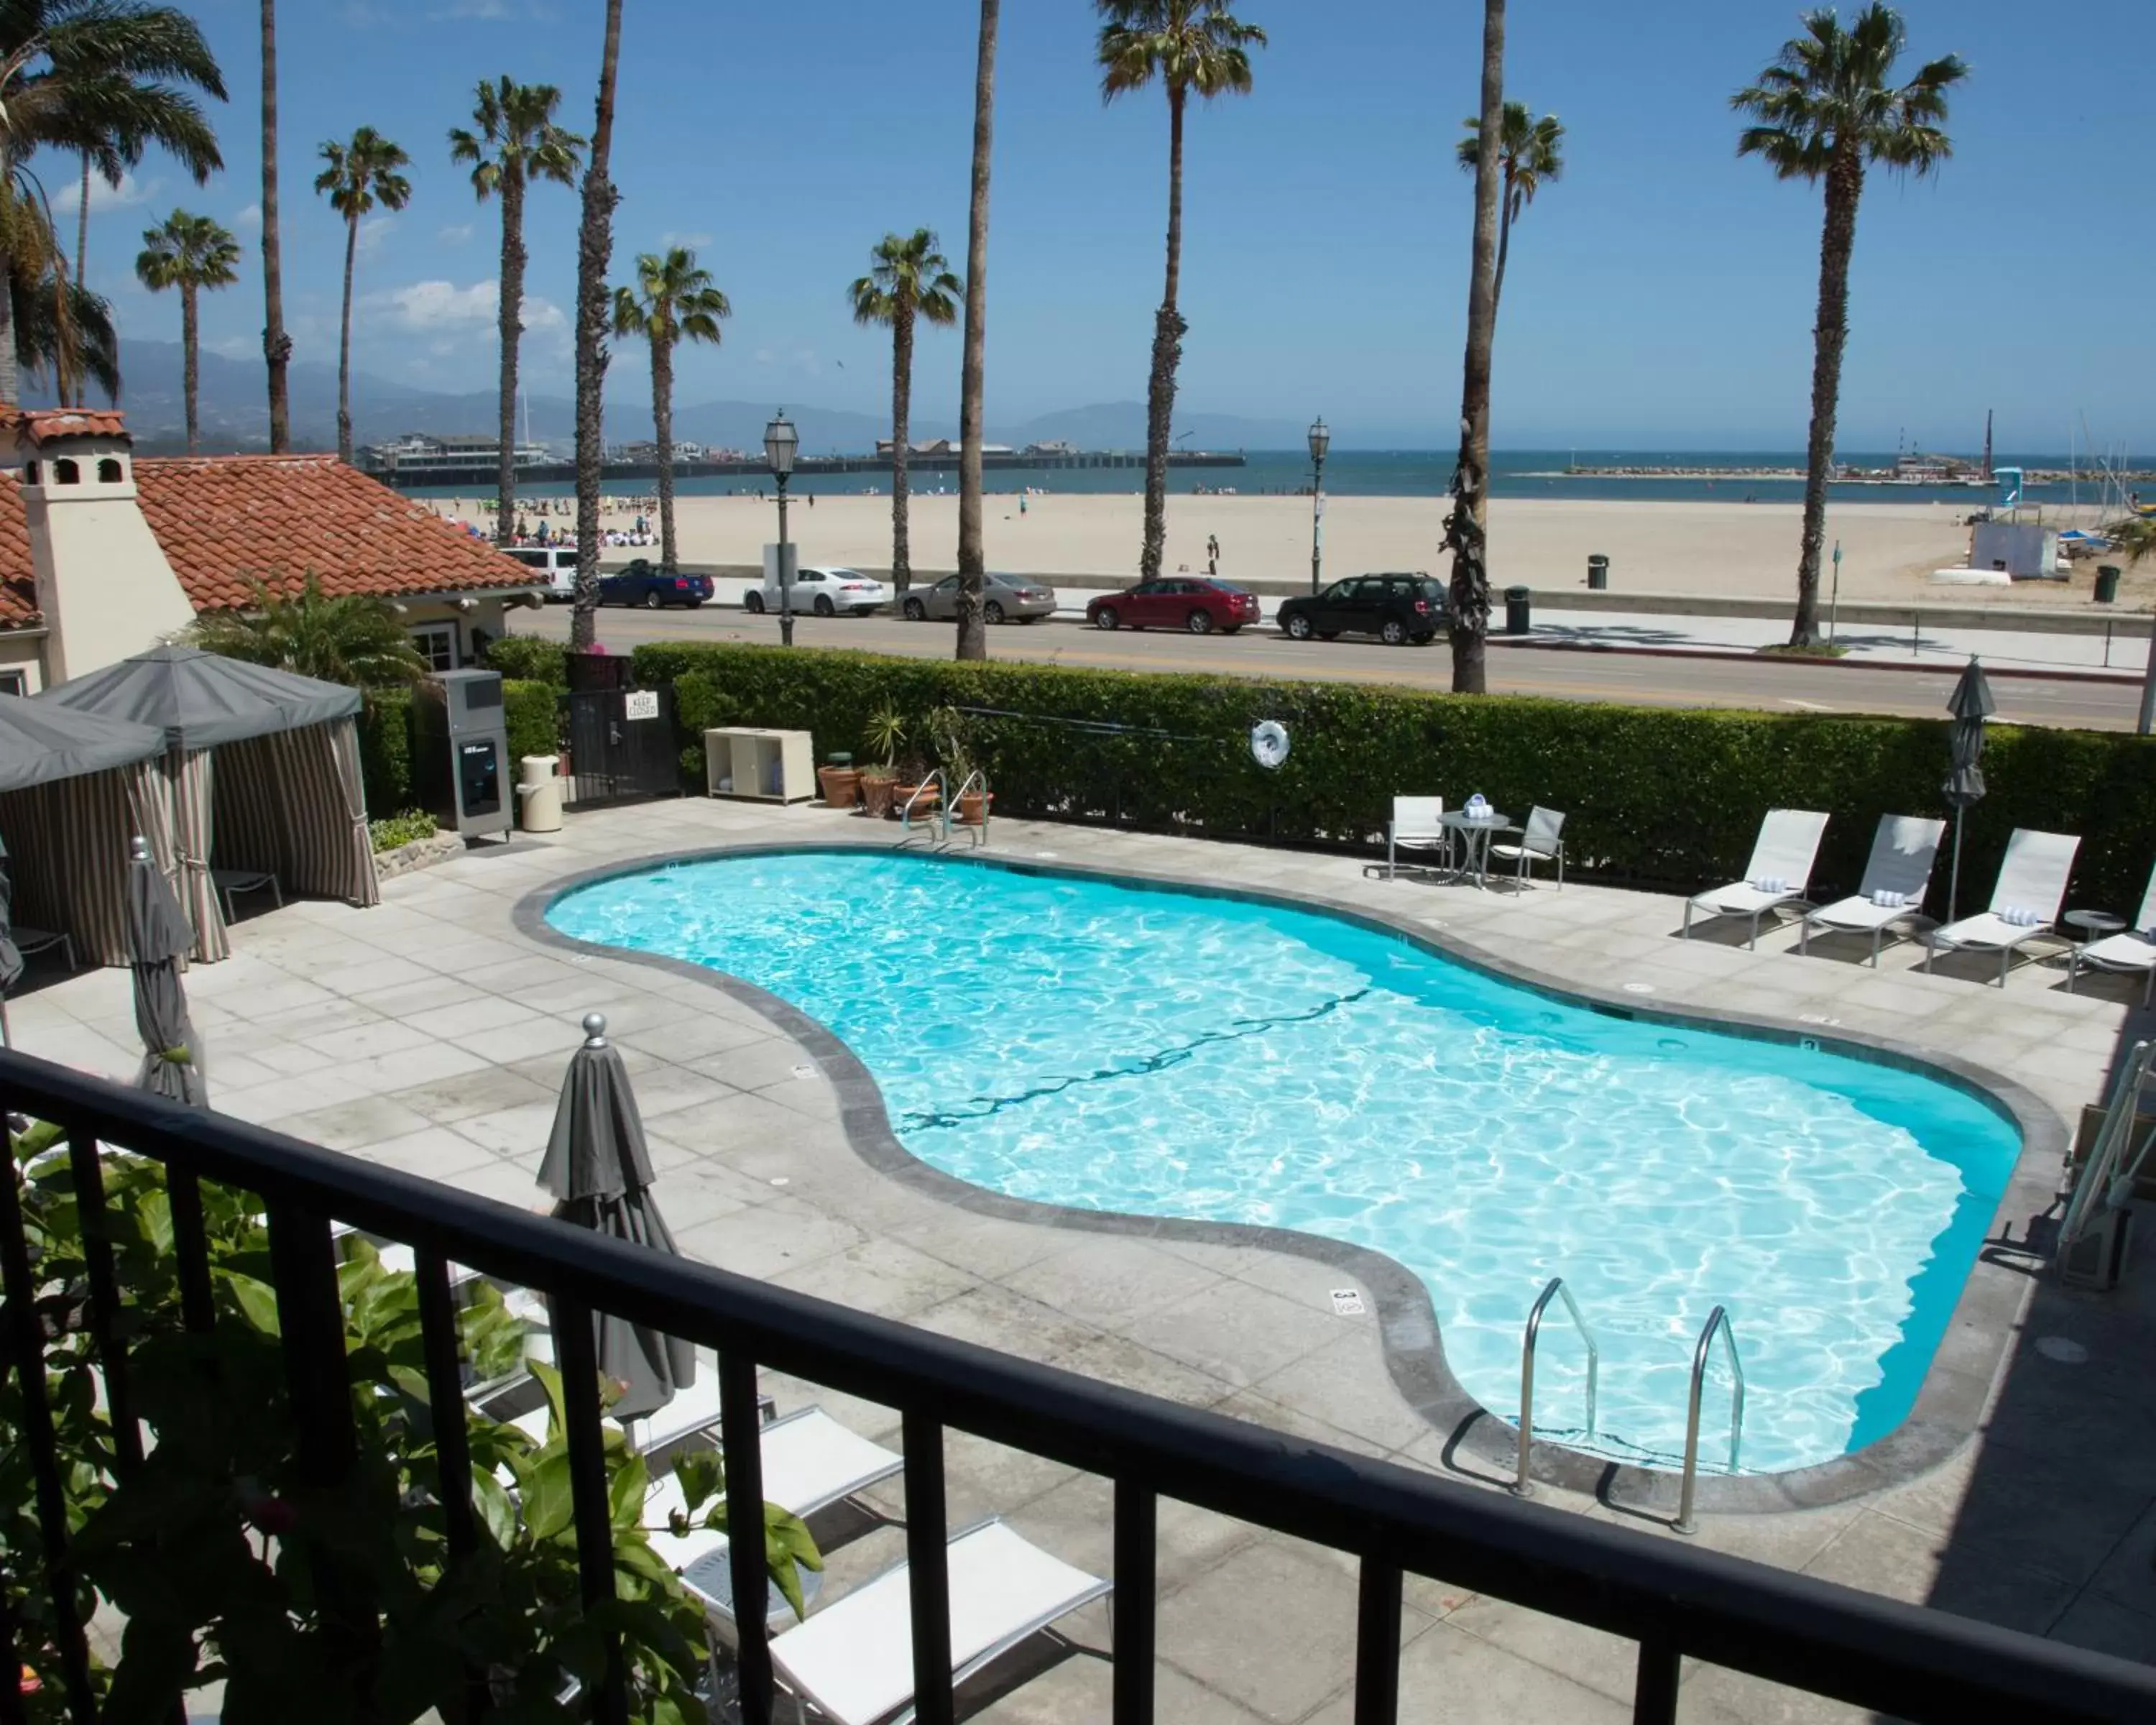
[
  {"x": 30, "y": 940},
  {"x": 1416, "y": 825},
  {"x": 1896, "y": 876},
  {"x": 230, "y": 883},
  {"x": 2130, "y": 950},
  {"x": 852, "y": 1661},
  {"x": 1777, "y": 875},
  {"x": 2032, "y": 885},
  {"x": 1543, "y": 841}
]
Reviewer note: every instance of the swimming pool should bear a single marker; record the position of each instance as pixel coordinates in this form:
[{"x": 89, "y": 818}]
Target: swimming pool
[{"x": 1105, "y": 1046}]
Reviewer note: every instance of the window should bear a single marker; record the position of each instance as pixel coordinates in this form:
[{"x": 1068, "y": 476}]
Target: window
[
  {"x": 13, "y": 682},
  {"x": 437, "y": 644},
  {"x": 108, "y": 471},
  {"x": 949, "y": 583}
]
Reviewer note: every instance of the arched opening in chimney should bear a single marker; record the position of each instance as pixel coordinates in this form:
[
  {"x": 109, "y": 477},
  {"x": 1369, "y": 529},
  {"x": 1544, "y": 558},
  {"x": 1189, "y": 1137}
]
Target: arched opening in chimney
[
  {"x": 109, "y": 471},
  {"x": 66, "y": 473}
]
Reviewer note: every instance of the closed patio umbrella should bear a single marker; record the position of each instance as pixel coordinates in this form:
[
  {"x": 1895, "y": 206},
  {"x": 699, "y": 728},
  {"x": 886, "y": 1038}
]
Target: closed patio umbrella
[
  {"x": 158, "y": 938},
  {"x": 1971, "y": 704},
  {"x": 11, "y": 955},
  {"x": 599, "y": 1173}
]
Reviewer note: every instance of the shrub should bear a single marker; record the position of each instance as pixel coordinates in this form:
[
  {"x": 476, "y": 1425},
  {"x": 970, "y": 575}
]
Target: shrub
[
  {"x": 406, "y": 829},
  {"x": 530, "y": 713},
  {"x": 699, "y": 705},
  {"x": 385, "y": 748},
  {"x": 1659, "y": 797},
  {"x": 529, "y": 659}
]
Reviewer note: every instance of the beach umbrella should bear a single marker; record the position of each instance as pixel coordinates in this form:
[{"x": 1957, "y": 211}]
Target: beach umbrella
[
  {"x": 600, "y": 1173},
  {"x": 1971, "y": 704},
  {"x": 158, "y": 938},
  {"x": 11, "y": 955}
]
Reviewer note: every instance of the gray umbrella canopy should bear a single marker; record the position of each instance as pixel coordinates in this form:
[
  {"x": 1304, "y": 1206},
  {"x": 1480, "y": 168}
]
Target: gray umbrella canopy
[
  {"x": 198, "y": 700},
  {"x": 1971, "y": 704},
  {"x": 157, "y": 938},
  {"x": 599, "y": 1173},
  {"x": 39, "y": 743}
]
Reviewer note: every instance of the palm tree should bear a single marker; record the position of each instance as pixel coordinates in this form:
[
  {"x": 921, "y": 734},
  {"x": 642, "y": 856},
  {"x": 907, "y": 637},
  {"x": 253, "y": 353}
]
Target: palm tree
[
  {"x": 673, "y": 301},
  {"x": 63, "y": 330},
  {"x": 594, "y": 254},
  {"x": 189, "y": 253},
  {"x": 276, "y": 345},
  {"x": 1827, "y": 110},
  {"x": 972, "y": 365},
  {"x": 357, "y": 176},
  {"x": 354, "y": 639},
  {"x": 1195, "y": 48},
  {"x": 515, "y": 122},
  {"x": 104, "y": 78},
  {"x": 908, "y": 279},
  {"x": 1530, "y": 155},
  {"x": 1466, "y": 528}
]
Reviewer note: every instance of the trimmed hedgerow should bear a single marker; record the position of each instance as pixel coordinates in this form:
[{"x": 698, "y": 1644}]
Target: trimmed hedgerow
[
  {"x": 1659, "y": 797},
  {"x": 385, "y": 748},
  {"x": 529, "y": 658},
  {"x": 528, "y": 710}
]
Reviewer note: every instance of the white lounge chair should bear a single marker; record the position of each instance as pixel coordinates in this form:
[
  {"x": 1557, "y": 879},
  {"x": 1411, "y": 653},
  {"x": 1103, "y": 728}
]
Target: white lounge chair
[
  {"x": 691, "y": 1411},
  {"x": 1781, "y": 858},
  {"x": 1892, "y": 891},
  {"x": 1416, "y": 825},
  {"x": 2032, "y": 883},
  {"x": 230, "y": 883},
  {"x": 1543, "y": 841},
  {"x": 853, "y": 1663},
  {"x": 2133, "y": 949}
]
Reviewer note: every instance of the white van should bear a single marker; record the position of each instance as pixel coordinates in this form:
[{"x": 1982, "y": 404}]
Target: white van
[{"x": 557, "y": 566}]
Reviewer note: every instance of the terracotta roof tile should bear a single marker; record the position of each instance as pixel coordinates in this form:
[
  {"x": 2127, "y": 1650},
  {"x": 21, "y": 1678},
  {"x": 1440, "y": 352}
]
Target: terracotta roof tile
[
  {"x": 40, "y": 425},
  {"x": 228, "y": 521}
]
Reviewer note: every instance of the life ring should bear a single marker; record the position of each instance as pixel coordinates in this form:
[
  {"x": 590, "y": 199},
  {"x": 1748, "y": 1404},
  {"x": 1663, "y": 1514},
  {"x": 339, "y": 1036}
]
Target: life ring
[{"x": 1269, "y": 743}]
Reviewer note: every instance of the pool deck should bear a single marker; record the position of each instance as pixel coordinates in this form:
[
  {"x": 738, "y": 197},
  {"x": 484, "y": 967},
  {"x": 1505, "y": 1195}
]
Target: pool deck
[{"x": 430, "y": 1035}]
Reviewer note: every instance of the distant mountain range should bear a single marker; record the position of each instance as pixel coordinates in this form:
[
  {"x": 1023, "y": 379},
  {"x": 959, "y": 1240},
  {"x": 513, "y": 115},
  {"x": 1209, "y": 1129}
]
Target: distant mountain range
[{"x": 235, "y": 413}]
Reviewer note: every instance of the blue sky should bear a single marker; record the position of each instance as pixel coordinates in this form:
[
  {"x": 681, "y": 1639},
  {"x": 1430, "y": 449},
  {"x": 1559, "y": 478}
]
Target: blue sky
[{"x": 1661, "y": 295}]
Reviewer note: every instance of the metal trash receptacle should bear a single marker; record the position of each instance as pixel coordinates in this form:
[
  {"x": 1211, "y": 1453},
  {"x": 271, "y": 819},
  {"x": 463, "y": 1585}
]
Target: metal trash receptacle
[
  {"x": 1598, "y": 572},
  {"x": 539, "y": 793},
  {"x": 2107, "y": 584},
  {"x": 1518, "y": 605}
]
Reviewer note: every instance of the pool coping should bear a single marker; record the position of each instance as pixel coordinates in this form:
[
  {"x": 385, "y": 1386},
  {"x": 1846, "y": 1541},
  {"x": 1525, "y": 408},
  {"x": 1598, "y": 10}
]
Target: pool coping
[{"x": 1972, "y": 1351}]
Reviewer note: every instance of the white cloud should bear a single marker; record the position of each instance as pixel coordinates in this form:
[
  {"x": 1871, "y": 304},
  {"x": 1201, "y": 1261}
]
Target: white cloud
[
  {"x": 496, "y": 11},
  {"x": 235, "y": 346},
  {"x": 455, "y": 234},
  {"x": 805, "y": 360},
  {"x": 249, "y": 217},
  {"x": 130, "y": 191},
  {"x": 426, "y": 307},
  {"x": 695, "y": 242},
  {"x": 373, "y": 231}
]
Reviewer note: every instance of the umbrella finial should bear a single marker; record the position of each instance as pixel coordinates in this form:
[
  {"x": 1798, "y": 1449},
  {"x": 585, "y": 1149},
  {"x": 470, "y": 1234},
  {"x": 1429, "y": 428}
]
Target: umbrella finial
[
  {"x": 139, "y": 848},
  {"x": 595, "y": 1030}
]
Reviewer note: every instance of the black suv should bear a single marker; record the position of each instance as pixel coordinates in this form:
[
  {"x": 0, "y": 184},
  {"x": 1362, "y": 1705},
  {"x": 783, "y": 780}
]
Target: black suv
[{"x": 1396, "y": 609}]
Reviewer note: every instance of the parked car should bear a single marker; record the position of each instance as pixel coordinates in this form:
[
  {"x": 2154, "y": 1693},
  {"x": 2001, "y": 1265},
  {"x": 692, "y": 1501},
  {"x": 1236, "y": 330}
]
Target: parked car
[
  {"x": 1396, "y": 609},
  {"x": 1181, "y": 602},
  {"x": 644, "y": 583},
  {"x": 1004, "y": 597},
  {"x": 825, "y": 591},
  {"x": 557, "y": 568}
]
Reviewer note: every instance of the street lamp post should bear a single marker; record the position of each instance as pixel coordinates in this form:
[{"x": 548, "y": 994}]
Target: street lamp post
[
  {"x": 1320, "y": 437},
  {"x": 780, "y": 443}
]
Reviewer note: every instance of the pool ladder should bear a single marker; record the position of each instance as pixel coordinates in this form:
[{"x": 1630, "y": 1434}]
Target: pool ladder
[
  {"x": 1717, "y": 1323},
  {"x": 936, "y": 823}
]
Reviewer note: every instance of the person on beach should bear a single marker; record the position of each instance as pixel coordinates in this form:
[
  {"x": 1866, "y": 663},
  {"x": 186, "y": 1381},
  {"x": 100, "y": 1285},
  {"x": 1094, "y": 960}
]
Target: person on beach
[
  {"x": 1212, "y": 553},
  {"x": 1021, "y": 503}
]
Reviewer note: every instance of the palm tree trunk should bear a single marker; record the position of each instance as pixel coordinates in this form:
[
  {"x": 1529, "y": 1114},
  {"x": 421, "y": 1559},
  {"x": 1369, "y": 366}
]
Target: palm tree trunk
[
  {"x": 1167, "y": 354},
  {"x": 662, "y": 428},
  {"x": 512, "y": 329},
  {"x": 901, "y": 427},
  {"x": 276, "y": 345},
  {"x": 82, "y": 225},
  {"x": 344, "y": 343},
  {"x": 10, "y": 372},
  {"x": 1504, "y": 244},
  {"x": 1466, "y": 528},
  {"x": 1845, "y": 186},
  {"x": 190, "y": 369},
  {"x": 594, "y": 253},
  {"x": 973, "y": 369}
]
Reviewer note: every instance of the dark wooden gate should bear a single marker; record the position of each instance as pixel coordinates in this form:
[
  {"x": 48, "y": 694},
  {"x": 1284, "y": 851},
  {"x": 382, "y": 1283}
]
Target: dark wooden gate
[{"x": 621, "y": 746}]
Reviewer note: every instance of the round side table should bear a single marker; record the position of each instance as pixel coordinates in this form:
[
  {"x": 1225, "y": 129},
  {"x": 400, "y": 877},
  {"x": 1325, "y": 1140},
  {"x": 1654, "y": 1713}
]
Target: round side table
[{"x": 2094, "y": 925}]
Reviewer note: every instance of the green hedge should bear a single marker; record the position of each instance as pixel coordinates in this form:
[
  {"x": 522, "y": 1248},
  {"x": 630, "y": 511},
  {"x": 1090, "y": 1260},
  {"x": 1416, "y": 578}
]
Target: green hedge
[
  {"x": 528, "y": 713},
  {"x": 385, "y": 737},
  {"x": 1658, "y": 797},
  {"x": 529, "y": 658}
]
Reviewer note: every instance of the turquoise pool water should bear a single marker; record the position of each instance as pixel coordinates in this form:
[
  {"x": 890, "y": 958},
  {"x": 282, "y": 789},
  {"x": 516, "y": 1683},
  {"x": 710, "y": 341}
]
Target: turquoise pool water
[{"x": 1109, "y": 1047}]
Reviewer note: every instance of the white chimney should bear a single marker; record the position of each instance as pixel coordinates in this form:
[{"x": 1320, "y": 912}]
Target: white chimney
[{"x": 103, "y": 584}]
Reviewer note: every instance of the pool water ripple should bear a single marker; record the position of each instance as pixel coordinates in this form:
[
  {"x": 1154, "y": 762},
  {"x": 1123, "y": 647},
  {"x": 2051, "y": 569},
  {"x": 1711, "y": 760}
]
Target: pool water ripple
[{"x": 1083, "y": 1043}]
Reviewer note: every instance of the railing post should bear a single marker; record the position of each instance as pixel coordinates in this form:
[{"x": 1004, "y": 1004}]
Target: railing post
[
  {"x": 928, "y": 1565},
  {"x": 1655, "y": 1685},
  {"x": 1377, "y": 1643},
  {"x": 191, "y": 1249},
  {"x": 104, "y": 1300},
  {"x": 445, "y": 1394},
  {"x": 1137, "y": 1556},
  {"x": 577, "y": 1354},
  {"x": 740, "y": 1433}
]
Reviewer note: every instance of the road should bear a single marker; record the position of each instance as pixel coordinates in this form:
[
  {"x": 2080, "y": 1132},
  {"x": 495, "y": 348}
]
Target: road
[{"x": 1636, "y": 679}]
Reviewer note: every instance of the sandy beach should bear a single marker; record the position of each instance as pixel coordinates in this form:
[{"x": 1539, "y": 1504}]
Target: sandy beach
[{"x": 1888, "y": 549}]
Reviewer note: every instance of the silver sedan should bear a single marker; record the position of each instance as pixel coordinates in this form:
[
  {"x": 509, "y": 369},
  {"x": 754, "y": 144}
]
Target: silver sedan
[{"x": 1005, "y": 598}]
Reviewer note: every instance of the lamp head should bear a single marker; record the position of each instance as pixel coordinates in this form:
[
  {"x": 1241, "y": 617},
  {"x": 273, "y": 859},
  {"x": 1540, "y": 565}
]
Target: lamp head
[
  {"x": 1320, "y": 437},
  {"x": 780, "y": 443}
]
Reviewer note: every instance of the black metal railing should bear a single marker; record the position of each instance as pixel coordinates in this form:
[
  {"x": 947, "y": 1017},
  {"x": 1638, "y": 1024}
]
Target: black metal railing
[{"x": 1673, "y": 1602}]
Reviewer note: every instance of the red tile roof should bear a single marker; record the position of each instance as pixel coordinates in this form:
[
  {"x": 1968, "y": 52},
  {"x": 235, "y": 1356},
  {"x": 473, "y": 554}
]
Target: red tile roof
[
  {"x": 228, "y": 521},
  {"x": 40, "y": 425}
]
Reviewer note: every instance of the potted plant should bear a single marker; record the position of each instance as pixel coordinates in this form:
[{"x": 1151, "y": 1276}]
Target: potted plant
[
  {"x": 948, "y": 728},
  {"x": 840, "y": 780},
  {"x": 883, "y": 736},
  {"x": 913, "y": 787}
]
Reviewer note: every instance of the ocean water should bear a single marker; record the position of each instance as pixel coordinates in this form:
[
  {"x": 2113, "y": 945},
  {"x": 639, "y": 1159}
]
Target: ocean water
[{"x": 1093, "y": 1045}]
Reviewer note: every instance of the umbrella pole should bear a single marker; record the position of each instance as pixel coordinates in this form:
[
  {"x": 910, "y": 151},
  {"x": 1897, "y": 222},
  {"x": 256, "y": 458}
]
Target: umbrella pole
[
  {"x": 1953, "y": 883},
  {"x": 6, "y": 1034}
]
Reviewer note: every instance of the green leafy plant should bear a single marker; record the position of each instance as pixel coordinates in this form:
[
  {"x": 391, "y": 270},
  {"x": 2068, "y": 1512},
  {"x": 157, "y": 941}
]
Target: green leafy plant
[
  {"x": 529, "y": 658},
  {"x": 883, "y": 734},
  {"x": 530, "y": 715},
  {"x": 946, "y": 730},
  {"x": 352, "y": 639},
  {"x": 407, "y": 828}
]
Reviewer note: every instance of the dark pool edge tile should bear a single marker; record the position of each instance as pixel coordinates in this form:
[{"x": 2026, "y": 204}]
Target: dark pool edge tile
[{"x": 1949, "y": 1405}]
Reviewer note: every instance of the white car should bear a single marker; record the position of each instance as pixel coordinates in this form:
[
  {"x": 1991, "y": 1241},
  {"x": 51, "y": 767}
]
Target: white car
[
  {"x": 824, "y": 591},
  {"x": 556, "y": 566}
]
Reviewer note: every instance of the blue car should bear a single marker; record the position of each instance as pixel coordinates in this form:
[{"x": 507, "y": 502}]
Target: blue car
[{"x": 644, "y": 583}]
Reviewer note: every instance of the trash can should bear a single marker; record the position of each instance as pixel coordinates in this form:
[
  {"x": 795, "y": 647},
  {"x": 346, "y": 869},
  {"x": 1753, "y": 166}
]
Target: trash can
[
  {"x": 2107, "y": 584},
  {"x": 539, "y": 793},
  {"x": 1598, "y": 572},
  {"x": 1516, "y": 607}
]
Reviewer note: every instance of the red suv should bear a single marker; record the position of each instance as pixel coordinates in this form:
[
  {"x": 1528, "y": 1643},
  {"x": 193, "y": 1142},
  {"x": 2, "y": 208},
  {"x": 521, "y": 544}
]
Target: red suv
[{"x": 1179, "y": 602}]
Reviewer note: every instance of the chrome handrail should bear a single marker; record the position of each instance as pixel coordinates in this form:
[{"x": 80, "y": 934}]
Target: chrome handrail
[
  {"x": 976, "y": 834},
  {"x": 1521, "y": 1485},
  {"x": 943, "y": 792},
  {"x": 1718, "y": 1319}
]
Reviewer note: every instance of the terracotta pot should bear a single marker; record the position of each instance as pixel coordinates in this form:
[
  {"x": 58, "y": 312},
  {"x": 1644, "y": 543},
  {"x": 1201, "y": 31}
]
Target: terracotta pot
[
  {"x": 901, "y": 795},
  {"x": 974, "y": 808},
  {"x": 875, "y": 795},
  {"x": 841, "y": 785}
]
